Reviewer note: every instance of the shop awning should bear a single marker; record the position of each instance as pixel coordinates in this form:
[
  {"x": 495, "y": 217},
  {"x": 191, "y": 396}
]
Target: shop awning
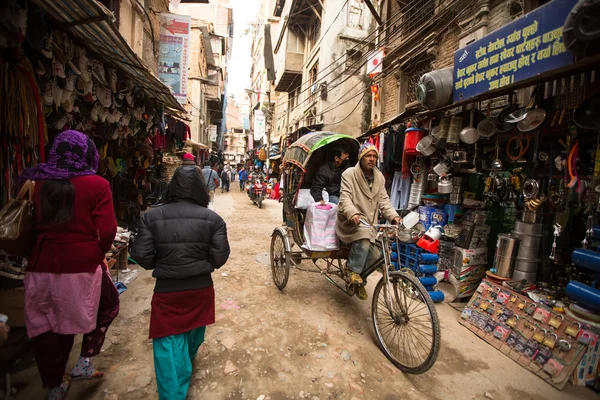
[
  {"x": 92, "y": 23},
  {"x": 195, "y": 145}
]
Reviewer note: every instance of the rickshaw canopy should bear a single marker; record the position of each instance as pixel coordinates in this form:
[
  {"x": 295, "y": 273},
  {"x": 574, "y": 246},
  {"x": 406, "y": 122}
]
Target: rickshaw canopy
[{"x": 300, "y": 151}]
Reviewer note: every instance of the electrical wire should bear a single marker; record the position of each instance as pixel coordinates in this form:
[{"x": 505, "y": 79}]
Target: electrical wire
[
  {"x": 378, "y": 32},
  {"x": 361, "y": 60},
  {"x": 395, "y": 18}
]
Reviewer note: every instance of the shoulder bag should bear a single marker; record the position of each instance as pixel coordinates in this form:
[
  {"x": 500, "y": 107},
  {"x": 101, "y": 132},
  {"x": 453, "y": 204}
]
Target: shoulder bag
[{"x": 16, "y": 223}]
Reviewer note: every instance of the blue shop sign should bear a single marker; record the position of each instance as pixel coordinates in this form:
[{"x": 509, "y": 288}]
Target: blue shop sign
[{"x": 524, "y": 48}]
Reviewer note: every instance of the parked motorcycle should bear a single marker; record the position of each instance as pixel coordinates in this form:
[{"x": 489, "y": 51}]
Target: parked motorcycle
[{"x": 257, "y": 192}]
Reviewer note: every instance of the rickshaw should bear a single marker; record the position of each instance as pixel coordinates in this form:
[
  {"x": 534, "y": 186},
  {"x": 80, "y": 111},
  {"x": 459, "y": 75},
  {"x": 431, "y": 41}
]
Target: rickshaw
[{"x": 404, "y": 317}]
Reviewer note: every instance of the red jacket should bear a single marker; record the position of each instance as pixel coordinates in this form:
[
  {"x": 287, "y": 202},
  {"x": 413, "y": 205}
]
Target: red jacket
[{"x": 79, "y": 245}]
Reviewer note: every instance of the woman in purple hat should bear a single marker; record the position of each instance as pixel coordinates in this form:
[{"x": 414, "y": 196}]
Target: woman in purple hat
[{"x": 68, "y": 290}]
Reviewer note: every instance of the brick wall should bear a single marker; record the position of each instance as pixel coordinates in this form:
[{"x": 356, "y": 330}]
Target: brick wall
[
  {"x": 448, "y": 45},
  {"x": 499, "y": 15},
  {"x": 389, "y": 97},
  {"x": 153, "y": 9}
]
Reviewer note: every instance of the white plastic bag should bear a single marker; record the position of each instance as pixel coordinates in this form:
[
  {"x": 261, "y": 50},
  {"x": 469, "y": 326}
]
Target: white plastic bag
[
  {"x": 319, "y": 227},
  {"x": 305, "y": 198}
]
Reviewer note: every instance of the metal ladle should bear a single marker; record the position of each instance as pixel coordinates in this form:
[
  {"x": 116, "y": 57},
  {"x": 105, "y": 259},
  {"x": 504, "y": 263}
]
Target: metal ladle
[{"x": 497, "y": 163}]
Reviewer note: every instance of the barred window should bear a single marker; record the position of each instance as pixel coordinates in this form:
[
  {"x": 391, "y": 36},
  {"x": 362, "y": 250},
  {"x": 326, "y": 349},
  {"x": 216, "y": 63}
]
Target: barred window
[
  {"x": 416, "y": 14},
  {"x": 355, "y": 13}
]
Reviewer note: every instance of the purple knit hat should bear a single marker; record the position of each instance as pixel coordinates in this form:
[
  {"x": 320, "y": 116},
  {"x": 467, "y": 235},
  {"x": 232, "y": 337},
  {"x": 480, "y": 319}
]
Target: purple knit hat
[{"x": 73, "y": 154}]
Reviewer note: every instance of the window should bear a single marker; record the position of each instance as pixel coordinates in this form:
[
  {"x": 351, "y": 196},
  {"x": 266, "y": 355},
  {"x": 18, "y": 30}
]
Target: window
[
  {"x": 355, "y": 13},
  {"x": 293, "y": 99},
  {"x": 353, "y": 59},
  {"x": 131, "y": 25},
  {"x": 408, "y": 81},
  {"x": 416, "y": 15},
  {"x": 313, "y": 73},
  {"x": 314, "y": 31}
]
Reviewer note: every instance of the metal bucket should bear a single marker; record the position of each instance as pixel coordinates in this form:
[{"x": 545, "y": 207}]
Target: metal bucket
[
  {"x": 506, "y": 252},
  {"x": 528, "y": 276},
  {"x": 527, "y": 265},
  {"x": 525, "y": 228},
  {"x": 528, "y": 240},
  {"x": 528, "y": 253}
]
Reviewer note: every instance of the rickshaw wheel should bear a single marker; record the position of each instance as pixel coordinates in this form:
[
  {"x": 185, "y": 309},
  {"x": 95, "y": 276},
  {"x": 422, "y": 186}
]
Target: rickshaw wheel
[
  {"x": 280, "y": 267},
  {"x": 408, "y": 330}
]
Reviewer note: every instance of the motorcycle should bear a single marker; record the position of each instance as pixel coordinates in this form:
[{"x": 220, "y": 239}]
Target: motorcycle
[{"x": 256, "y": 192}]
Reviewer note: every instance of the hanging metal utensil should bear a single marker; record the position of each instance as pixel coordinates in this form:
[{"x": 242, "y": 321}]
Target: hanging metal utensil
[
  {"x": 487, "y": 127},
  {"x": 497, "y": 163},
  {"x": 532, "y": 120}
]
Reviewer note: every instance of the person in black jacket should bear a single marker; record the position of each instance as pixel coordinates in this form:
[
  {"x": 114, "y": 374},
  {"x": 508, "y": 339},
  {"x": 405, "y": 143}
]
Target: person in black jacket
[
  {"x": 329, "y": 176},
  {"x": 183, "y": 242}
]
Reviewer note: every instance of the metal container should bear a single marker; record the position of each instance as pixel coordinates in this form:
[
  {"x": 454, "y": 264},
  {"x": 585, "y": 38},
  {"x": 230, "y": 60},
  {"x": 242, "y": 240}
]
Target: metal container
[
  {"x": 435, "y": 88},
  {"x": 441, "y": 131},
  {"x": 528, "y": 240},
  {"x": 528, "y": 276},
  {"x": 456, "y": 124},
  {"x": 506, "y": 255},
  {"x": 527, "y": 265},
  {"x": 528, "y": 253},
  {"x": 531, "y": 217},
  {"x": 525, "y": 228},
  {"x": 455, "y": 198}
]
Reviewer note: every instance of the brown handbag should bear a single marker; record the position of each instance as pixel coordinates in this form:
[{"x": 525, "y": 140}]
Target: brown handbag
[{"x": 16, "y": 223}]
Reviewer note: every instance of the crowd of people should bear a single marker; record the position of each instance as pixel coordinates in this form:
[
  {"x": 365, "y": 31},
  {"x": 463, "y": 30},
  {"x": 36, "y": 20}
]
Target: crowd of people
[{"x": 182, "y": 242}]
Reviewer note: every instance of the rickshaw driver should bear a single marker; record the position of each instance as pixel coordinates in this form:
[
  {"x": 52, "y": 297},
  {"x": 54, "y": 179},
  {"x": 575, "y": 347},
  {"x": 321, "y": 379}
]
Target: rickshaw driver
[{"x": 362, "y": 194}]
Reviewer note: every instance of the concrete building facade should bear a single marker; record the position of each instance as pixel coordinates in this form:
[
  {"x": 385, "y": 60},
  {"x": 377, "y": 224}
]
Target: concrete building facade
[
  {"x": 215, "y": 24},
  {"x": 320, "y": 64}
]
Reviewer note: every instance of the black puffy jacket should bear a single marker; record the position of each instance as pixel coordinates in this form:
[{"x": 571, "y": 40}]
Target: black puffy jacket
[
  {"x": 182, "y": 241},
  {"x": 328, "y": 177}
]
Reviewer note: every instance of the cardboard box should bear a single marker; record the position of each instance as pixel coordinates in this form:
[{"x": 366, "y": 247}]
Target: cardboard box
[
  {"x": 469, "y": 274},
  {"x": 468, "y": 257},
  {"x": 12, "y": 303},
  {"x": 587, "y": 370},
  {"x": 481, "y": 231}
]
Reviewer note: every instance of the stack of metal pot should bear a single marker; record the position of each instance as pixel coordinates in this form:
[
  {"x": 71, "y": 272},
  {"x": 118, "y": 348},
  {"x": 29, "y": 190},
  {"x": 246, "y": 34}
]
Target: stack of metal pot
[{"x": 528, "y": 259}]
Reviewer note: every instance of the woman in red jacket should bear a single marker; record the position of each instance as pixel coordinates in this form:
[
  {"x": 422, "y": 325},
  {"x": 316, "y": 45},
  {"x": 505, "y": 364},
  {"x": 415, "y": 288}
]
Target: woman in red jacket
[{"x": 67, "y": 289}]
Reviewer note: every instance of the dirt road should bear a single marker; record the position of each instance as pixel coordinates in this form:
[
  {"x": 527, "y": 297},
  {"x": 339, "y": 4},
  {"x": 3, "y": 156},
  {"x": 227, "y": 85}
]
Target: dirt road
[{"x": 311, "y": 341}]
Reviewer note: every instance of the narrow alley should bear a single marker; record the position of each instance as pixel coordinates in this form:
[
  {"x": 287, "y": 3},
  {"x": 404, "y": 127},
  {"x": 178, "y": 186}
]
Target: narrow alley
[{"x": 311, "y": 341}]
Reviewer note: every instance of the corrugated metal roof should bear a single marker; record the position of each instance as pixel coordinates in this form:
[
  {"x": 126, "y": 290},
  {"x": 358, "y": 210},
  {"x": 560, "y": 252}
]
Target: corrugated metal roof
[{"x": 91, "y": 22}]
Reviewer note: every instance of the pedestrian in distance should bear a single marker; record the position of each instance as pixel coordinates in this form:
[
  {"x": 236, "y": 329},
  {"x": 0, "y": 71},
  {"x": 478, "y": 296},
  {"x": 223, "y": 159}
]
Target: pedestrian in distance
[
  {"x": 225, "y": 180},
  {"x": 68, "y": 289},
  {"x": 182, "y": 242},
  {"x": 243, "y": 178},
  {"x": 212, "y": 181}
]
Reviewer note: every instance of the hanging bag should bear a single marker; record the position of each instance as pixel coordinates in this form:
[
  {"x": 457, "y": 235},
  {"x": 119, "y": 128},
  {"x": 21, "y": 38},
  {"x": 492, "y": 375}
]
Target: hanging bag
[{"x": 16, "y": 223}]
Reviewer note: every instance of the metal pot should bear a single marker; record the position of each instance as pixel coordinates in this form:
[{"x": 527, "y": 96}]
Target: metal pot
[
  {"x": 532, "y": 121},
  {"x": 442, "y": 167},
  {"x": 528, "y": 276},
  {"x": 586, "y": 115},
  {"x": 426, "y": 146},
  {"x": 506, "y": 255},
  {"x": 528, "y": 253},
  {"x": 445, "y": 185},
  {"x": 469, "y": 135},
  {"x": 528, "y": 240},
  {"x": 527, "y": 265},
  {"x": 524, "y": 228}
]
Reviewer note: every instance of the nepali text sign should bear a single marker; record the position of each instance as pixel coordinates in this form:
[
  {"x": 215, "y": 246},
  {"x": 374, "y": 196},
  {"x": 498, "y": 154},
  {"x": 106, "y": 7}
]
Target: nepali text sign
[
  {"x": 212, "y": 133},
  {"x": 174, "y": 53},
  {"x": 259, "y": 125},
  {"x": 527, "y": 47}
]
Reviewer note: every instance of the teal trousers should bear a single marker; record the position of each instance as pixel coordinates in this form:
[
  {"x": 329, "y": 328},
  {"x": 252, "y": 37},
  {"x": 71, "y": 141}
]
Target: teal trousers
[{"x": 173, "y": 356}]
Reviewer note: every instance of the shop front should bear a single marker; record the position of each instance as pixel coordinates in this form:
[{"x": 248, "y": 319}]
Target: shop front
[
  {"x": 66, "y": 66},
  {"x": 505, "y": 180}
]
